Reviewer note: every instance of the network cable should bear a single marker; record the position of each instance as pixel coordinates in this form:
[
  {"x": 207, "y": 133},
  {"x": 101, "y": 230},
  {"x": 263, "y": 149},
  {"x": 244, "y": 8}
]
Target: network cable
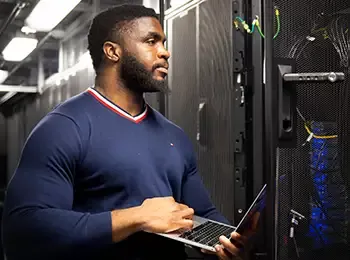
[
  {"x": 256, "y": 23},
  {"x": 311, "y": 134},
  {"x": 318, "y": 136}
]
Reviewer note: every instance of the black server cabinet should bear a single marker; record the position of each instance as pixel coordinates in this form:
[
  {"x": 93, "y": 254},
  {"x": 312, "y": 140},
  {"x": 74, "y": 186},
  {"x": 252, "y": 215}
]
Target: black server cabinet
[
  {"x": 308, "y": 154},
  {"x": 204, "y": 98}
]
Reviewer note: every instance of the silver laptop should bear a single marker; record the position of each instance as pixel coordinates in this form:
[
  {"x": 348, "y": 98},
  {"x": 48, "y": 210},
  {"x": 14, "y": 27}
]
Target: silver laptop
[{"x": 205, "y": 233}]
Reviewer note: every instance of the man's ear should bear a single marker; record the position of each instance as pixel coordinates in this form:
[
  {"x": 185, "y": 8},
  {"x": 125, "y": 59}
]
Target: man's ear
[{"x": 112, "y": 51}]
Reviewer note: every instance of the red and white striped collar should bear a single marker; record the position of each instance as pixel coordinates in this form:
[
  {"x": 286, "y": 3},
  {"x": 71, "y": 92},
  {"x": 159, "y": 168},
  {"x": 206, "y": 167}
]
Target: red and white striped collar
[{"x": 110, "y": 105}]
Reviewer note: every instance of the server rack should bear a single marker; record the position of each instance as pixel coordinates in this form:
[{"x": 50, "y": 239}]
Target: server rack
[
  {"x": 234, "y": 187},
  {"x": 306, "y": 123},
  {"x": 209, "y": 83}
]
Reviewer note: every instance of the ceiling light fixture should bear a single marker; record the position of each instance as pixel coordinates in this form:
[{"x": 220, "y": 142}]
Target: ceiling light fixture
[
  {"x": 47, "y": 14},
  {"x": 27, "y": 30},
  {"x": 19, "y": 48},
  {"x": 3, "y": 75}
]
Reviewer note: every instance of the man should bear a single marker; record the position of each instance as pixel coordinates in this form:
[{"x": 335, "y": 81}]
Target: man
[{"x": 103, "y": 171}]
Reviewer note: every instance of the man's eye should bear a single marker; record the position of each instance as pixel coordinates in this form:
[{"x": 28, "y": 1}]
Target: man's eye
[{"x": 151, "y": 41}]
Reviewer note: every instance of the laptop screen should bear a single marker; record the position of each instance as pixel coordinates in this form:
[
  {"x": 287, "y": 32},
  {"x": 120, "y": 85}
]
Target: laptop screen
[{"x": 251, "y": 218}]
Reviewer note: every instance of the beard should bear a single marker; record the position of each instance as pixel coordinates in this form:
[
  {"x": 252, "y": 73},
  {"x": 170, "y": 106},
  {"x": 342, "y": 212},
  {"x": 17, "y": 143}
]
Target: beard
[{"x": 138, "y": 78}]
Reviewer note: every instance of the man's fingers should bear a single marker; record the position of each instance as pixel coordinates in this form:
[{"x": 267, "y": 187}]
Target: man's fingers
[
  {"x": 185, "y": 213},
  {"x": 255, "y": 221},
  {"x": 204, "y": 251},
  {"x": 180, "y": 225},
  {"x": 170, "y": 198},
  {"x": 231, "y": 248},
  {"x": 238, "y": 239},
  {"x": 184, "y": 223},
  {"x": 222, "y": 254},
  {"x": 183, "y": 219},
  {"x": 182, "y": 206},
  {"x": 189, "y": 217}
]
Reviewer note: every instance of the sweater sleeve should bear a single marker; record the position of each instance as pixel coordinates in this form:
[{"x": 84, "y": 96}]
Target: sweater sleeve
[
  {"x": 194, "y": 193},
  {"x": 38, "y": 220}
]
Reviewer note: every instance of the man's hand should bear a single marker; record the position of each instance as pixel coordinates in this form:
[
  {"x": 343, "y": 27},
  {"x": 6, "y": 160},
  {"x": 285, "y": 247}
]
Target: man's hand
[
  {"x": 161, "y": 215},
  {"x": 232, "y": 248},
  {"x": 237, "y": 245},
  {"x": 164, "y": 215}
]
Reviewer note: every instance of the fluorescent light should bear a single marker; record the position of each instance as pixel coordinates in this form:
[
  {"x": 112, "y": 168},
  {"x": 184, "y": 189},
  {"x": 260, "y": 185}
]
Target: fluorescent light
[
  {"x": 3, "y": 75},
  {"x": 27, "y": 30},
  {"x": 47, "y": 14},
  {"x": 151, "y": 4},
  {"x": 174, "y": 3},
  {"x": 19, "y": 48}
]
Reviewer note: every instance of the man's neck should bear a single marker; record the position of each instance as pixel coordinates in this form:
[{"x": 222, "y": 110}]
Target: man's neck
[{"x": 116, "y": 91}]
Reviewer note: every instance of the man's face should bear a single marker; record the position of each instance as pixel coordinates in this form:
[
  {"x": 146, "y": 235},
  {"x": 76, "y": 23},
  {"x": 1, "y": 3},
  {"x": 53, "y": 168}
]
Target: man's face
[{"x": 144, "y": 63}]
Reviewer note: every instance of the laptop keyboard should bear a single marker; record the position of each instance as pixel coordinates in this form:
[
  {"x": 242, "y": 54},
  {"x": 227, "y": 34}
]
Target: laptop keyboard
[{"x": 208, "y": 233}]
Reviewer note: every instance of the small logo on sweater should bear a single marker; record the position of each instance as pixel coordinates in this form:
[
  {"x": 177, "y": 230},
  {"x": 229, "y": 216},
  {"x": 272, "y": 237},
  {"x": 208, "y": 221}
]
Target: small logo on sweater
[{"x": 171, "y": 144}]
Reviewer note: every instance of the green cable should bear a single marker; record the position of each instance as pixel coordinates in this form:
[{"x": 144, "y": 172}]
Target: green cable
[
  {"x": 253, "y": 28},
  {"x": 245, "y": 25},
  {"x": 260, "y": 32},
  {"x": 257, "y": 24},
  {"x": 240, "y": 19},
  {"x": 278, "y": 24}
]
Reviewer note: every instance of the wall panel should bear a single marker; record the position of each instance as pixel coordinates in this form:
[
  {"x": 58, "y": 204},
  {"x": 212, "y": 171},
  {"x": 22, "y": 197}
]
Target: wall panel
[{"x": 201, "y": 99}]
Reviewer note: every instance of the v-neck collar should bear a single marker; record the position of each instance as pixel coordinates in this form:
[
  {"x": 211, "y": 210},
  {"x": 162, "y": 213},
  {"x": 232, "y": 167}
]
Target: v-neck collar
[{"x": 115, "y": 108}]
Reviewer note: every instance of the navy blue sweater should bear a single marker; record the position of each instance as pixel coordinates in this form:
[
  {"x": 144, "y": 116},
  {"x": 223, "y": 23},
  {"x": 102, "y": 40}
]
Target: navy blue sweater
[{"x": 86, "y": 158}]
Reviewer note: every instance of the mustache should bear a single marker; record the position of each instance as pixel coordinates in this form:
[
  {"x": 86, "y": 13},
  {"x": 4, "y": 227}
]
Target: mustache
[{"x": 160, "y": 65}]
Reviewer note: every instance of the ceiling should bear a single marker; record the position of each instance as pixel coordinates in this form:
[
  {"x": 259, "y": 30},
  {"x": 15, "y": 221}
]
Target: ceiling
[{"x": 26, "y": 73}]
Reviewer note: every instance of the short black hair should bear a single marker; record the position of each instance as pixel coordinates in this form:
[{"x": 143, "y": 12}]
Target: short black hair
[{"x": 112, "y": 20}]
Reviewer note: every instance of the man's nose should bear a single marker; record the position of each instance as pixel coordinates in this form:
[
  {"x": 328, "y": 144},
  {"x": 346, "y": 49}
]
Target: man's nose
[{"x": 163, "y": 53}]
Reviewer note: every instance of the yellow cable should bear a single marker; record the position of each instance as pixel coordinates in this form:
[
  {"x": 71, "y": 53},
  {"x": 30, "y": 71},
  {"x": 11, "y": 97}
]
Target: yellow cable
[{"x": 319, "y": 136}]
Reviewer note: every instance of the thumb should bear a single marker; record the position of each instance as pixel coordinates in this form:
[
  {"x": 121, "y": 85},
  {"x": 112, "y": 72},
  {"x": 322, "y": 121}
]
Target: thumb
[{"x": 204, "y": 251}]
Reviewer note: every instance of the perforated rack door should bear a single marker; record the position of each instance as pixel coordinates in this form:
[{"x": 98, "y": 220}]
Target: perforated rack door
[
  {"x": 314, "y": 177},
  {"x": 202, "y": 96}
]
